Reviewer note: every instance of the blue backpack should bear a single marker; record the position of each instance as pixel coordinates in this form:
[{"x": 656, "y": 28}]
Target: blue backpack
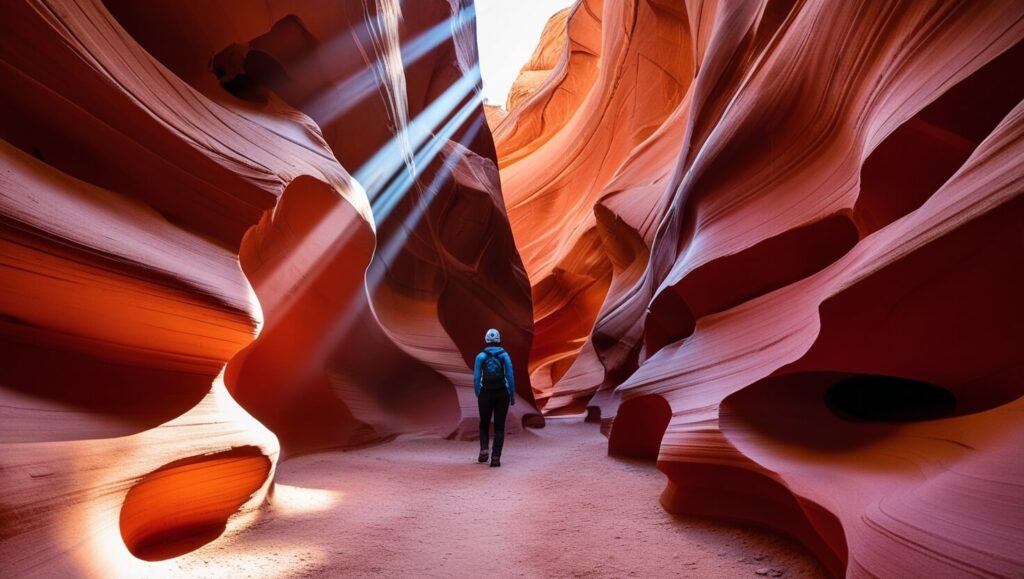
[{"x": 492, "y": 371}]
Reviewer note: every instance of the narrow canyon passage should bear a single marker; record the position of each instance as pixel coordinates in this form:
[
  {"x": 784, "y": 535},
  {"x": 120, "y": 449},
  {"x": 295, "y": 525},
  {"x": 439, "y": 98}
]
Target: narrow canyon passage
[
  {"x": 250, "y": 253},
  {"x": 425, "y": 508}
]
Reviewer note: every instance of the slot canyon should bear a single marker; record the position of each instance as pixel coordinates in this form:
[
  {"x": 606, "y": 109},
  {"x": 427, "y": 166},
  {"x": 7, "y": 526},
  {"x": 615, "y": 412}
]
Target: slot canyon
[{"x": 758, "y": 266}]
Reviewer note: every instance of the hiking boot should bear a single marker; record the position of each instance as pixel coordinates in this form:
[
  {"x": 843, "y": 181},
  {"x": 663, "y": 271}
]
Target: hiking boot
[
  {"x": 495, "y": 461},
  {"x": 482, "y": 457}
]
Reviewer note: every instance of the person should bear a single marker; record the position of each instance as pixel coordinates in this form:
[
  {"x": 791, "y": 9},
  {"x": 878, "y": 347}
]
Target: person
[{"x": 495, "y": 389}]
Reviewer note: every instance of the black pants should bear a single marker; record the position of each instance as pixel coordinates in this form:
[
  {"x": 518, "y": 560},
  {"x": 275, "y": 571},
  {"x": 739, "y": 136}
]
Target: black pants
[{"x": 493, "y": 401}]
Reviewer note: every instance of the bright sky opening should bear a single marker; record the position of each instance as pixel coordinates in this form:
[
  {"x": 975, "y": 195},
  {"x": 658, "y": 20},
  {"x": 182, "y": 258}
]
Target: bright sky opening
[{"x": 508, "y": 31}]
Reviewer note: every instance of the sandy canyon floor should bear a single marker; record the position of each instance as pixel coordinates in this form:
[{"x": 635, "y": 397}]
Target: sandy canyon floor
[{"x": 558, "y": 506}]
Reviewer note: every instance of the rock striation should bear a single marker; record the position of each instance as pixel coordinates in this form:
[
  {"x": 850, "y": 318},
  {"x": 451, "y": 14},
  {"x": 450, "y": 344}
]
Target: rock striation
[
  {"x": 776, "y": 246},
  {"x": 228, "y": 234}
]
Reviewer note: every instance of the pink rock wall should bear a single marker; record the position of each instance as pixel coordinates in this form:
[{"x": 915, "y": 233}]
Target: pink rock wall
[
  {"x": 774, "y": 245},
  {"x": 789, "y": 236},
  {"x": 193, "y": 280}
]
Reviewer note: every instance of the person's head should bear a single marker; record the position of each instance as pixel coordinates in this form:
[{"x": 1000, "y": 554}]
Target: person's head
[{"x": 492, "y": 336}]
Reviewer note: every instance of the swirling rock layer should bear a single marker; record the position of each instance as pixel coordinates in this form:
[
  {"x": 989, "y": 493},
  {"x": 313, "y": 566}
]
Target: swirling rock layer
[
  {"x": 228, "y": 231},
  {"x": 777, "y": 246}
]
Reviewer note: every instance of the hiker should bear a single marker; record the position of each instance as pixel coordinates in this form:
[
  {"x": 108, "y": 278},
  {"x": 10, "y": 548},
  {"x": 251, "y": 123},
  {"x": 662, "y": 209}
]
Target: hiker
[{"x": 495, "y": 392}]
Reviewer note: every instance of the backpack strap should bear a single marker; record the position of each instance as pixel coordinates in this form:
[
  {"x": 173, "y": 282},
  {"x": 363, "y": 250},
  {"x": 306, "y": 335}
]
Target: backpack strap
[{"x": 500, "y": 358}]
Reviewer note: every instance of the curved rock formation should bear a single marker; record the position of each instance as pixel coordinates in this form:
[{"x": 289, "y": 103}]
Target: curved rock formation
[
  {"x": 793, "y": 229},
  {"x": 177, "y": 179},
  {"x": 773, "y": 245},
  {"x": 557, "y": 164},
  {"x": 426, "y": 161}
]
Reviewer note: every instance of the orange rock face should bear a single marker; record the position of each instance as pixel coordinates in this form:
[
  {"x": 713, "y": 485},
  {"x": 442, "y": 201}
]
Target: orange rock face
[
  {"x": 774, "y": 245},
  {"x": 777, "y": 247},
  {"x": 194, "y": 281}
]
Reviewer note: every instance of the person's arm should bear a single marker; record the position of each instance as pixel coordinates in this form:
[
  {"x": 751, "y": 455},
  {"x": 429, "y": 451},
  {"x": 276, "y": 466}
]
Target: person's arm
[
  {"x": 476, "y": 374},
  {"x": 510, "y": 380}
]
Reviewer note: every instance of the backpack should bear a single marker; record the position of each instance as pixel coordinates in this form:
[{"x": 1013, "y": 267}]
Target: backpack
[{"x": 492, "y": 371}]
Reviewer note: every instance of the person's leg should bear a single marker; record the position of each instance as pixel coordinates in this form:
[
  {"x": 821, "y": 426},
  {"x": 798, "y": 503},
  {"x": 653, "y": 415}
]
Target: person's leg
[
  {"x": 500, "y": 410},
  {"x": 485, "y": 404}
]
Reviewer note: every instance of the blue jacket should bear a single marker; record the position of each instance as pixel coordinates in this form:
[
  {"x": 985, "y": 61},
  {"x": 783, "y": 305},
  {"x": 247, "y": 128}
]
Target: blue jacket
[{"x": 510, "y": 381}]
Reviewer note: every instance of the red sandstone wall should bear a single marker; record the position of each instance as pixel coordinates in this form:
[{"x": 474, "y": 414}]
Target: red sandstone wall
[
  {"x": 192, "y": 279},
  {"x": 775, "y": 245},
  {"x": 778, "y": 247}
]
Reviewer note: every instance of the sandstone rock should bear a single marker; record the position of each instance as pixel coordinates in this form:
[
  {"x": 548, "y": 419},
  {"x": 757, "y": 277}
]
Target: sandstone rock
[
  {"x": 193, "y": 278},
  {"x": 773, "y": 246},
  {"x": 742, "y": 216}
]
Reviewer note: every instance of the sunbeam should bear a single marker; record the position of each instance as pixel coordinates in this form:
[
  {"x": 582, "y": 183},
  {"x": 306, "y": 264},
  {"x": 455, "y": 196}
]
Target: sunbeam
[
  {"x": 382, "y": 176},
  {"x": 387, "y": 182},
  {"x": 341, "y": 97},
  {"x": 386, "y": 253},
  {"x": 375, "y": 174}
]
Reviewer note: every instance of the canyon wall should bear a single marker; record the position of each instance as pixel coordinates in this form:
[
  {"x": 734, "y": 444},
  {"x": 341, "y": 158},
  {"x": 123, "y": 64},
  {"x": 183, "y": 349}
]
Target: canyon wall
[
  {"x": 778, "y": 246},
  {"x": 232, "y": 232}
]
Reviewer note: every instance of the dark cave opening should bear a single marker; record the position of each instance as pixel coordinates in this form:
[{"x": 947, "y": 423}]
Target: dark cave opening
[{"x": 877, "y": 398}]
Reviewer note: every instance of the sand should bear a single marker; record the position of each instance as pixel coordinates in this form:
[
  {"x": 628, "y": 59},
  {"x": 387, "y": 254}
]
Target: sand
[{"x": 557, "y": 507}]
